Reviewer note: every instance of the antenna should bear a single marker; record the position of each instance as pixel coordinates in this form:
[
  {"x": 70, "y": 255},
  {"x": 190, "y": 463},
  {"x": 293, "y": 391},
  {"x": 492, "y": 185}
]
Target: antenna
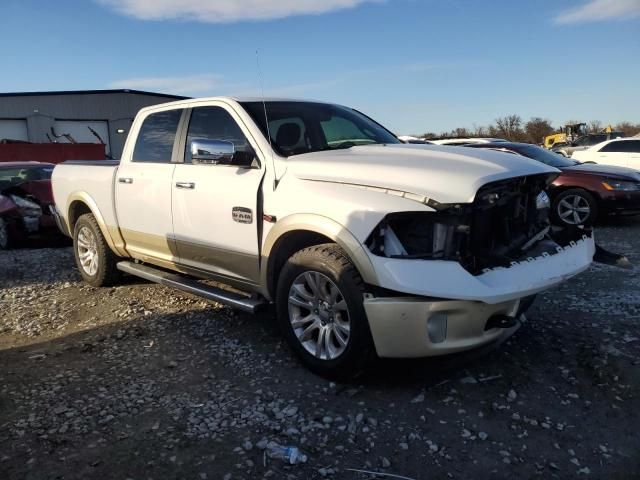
[{"x": 266, "y": 119}]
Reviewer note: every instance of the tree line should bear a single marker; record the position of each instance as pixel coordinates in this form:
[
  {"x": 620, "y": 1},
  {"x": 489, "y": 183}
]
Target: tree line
[{"x": 515, "y": 129}]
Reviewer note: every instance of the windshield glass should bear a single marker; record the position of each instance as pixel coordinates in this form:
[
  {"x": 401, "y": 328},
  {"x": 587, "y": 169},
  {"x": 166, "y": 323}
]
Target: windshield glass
[
  {"x": 545, "y": 156},
  {"x": 10, "y": 176},
  {"x": 303, "y": 127}
]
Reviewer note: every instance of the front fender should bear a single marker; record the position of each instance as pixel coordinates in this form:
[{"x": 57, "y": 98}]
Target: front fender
[{"x": 323, "y": 226}]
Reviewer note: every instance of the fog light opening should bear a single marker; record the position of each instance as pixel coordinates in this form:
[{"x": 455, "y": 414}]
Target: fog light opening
[
  {"x": 501, "y": 321},
  {"x": 437, "y": 327}
]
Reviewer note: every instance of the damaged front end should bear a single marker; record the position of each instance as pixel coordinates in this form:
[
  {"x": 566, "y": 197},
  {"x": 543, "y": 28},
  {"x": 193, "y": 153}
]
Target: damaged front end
[{"x": 507, "y": 223}]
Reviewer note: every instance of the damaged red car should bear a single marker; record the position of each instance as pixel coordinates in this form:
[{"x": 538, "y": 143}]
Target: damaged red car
[{"x": 25, "y": 201}]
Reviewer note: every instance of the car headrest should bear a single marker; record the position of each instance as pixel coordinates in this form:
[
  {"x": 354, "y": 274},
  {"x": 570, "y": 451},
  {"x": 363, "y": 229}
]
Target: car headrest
[{"x": 288, "y": 135}]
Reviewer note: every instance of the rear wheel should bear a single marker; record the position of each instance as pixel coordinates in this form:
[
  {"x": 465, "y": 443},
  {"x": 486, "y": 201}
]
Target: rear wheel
[
  {"x": 575, "y": 207},
  {"x": 95, "y": 260},
  {"x": 321, "y": 313}
]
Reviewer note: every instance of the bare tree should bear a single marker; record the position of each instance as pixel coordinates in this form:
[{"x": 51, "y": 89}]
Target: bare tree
[
  {"x": 536, "y": 129},
  {"x": 510, "y": 127},
  {"x": 628, "y": 128},
  {"x": 594, "y": 126}
]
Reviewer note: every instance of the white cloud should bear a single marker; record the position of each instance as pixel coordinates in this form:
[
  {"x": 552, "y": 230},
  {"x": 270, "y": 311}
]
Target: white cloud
[
  {"x": 598, "y": 10},
  {"x": 221, "y": 11},
  {"x": 187, "y": 85}
]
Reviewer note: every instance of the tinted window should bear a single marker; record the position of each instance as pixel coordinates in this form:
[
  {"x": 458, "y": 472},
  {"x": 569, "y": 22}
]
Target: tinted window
[
  {"x": 615, "y": 147},
  {"x": 303, "y": 127},
  {"x": 156, "y": 137},
  {"x": 16, "y": 175},
  {"x": 544, "y": 156},
  {"x": 215, "y": 123}
]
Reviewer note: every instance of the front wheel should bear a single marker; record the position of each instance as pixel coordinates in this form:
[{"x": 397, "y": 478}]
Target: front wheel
[
  {"x": 320, "y": 311},
  {"x": 95, "y": 260},
  {"x": 575, "y": 207}
]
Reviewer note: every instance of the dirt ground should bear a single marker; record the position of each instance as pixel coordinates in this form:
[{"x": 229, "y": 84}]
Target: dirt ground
[{"x": 141, "y": 382}]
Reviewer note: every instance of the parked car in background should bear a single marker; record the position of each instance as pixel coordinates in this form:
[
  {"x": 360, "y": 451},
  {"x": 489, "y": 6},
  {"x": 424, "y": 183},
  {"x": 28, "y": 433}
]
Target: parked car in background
[
  {"x": 465, "y": 141},
  {"x": 413, "y": 140},
  {"x": 567, "y": 149},
  {"x": 364, "y": 244},
  {"x": 622, "y": 152},
  {"x": 582, "y": 192},
  {"x": 25, "y": 201}
]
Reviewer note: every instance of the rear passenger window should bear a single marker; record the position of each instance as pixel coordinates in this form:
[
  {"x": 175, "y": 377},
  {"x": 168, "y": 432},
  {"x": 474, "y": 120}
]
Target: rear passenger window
[
  {"x": 614, "y": 147},
  {"x": 156, "y": 137},
  {"x": 632, "y": 146}
]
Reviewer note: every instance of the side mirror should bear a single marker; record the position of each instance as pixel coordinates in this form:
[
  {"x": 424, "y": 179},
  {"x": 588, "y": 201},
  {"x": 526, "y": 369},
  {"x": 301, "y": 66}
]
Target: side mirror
[
  {"x": 212, "y": 151},
  {"x": 222, "y": 152}
]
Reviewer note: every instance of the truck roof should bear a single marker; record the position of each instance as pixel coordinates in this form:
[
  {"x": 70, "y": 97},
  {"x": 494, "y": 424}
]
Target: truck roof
[{"x": 238, "y": 99}]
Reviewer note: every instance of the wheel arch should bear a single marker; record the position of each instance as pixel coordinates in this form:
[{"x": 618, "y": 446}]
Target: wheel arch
[
  {"x": 295, "y": 232},
  {"x": 557, "y": 190},
  {"x": 80, "y": 203}
]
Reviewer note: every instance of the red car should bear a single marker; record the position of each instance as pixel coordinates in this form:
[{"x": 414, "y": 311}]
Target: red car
[
  {"x": 583, "y": 191},
  {"x": 25, "y": 201}
]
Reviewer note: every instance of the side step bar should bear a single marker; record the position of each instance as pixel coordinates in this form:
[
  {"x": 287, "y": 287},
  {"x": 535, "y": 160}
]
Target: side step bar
[{"x": 179, "y": 282}]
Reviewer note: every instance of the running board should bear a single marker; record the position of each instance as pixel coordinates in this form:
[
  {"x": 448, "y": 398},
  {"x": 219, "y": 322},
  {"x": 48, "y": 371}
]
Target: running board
[{"x": 189, "y": 285}]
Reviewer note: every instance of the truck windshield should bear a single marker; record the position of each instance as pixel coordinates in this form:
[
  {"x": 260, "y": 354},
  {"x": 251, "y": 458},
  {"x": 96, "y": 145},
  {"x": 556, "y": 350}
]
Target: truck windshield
[{"x": 304, "y": 127}]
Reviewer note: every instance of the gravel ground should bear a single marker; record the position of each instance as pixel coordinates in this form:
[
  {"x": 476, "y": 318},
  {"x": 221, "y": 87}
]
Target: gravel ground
[{"x": 140, "y": 382}]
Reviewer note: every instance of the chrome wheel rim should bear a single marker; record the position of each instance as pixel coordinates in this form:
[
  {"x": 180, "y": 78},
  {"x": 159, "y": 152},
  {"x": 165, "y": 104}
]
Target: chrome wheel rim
[
  {"x": 4, "y": 234},
  {"x": 88, "y": 251},
  {"x": 319, "y": 315},
  {"x": 574, "y": 209}
]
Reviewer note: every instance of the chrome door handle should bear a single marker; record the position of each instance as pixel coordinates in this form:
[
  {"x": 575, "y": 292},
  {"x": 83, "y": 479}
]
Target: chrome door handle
[
  {"x": 186, "y": 185},
  {"x": 125, "y": 180}
]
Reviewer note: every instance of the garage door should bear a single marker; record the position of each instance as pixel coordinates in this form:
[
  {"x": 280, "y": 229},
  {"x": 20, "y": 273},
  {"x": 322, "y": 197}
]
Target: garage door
[
  {"x": 13, "y": 130},
  {"x": 79, "y": 130}
]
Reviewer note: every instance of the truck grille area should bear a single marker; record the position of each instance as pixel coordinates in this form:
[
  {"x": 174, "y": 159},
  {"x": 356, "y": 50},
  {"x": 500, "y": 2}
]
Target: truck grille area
[{"x": 507, "y": 222}]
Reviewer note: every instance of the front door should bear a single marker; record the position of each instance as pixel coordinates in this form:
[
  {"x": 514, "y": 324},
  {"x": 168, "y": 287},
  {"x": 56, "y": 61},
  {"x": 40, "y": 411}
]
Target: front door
[
  {"x": 215, "y": 206},
  {"x": 143, "y": 189}
]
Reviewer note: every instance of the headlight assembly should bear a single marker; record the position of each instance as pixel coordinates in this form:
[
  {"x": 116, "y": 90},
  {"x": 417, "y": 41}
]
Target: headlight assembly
[
  {"x": 621, "y": 185},
  {"x": 27, "y": 207}
]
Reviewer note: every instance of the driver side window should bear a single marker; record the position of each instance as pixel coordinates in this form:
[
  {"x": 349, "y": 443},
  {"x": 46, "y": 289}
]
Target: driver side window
[{"x": 215, "y": 123}]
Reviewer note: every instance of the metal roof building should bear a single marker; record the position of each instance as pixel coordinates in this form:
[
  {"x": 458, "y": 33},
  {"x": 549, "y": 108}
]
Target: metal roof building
[{"x": 42, "y": 117}]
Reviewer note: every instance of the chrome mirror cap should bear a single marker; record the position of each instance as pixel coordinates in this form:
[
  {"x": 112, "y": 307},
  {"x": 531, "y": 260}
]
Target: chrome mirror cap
[{"x": 211, "y": 151}]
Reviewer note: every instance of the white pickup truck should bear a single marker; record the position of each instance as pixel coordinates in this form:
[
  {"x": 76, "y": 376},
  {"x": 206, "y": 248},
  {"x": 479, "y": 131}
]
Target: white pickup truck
[{"x": 364, "y": 244}]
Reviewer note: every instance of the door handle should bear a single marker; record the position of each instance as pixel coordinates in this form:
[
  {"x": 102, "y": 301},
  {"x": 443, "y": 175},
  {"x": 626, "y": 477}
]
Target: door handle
[
  {"x": 186, "y": 185},
  {"x": 125, "y": 180}
]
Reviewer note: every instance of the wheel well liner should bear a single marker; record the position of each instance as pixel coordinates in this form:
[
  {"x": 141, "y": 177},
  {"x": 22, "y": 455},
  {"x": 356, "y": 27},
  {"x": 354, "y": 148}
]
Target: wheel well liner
[
  {"x": 77, "y": 209},
  {"x": 288, "y": 244}
]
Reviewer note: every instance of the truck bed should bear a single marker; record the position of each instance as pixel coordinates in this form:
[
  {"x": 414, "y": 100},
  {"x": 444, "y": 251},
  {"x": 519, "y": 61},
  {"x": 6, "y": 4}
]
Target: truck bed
[{"x": 91, "y": 181}]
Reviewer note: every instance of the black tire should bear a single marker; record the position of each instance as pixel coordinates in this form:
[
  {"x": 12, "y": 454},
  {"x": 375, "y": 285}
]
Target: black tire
[
  {"x": 6, "y": 242},
  {"x": 106, "y": 274},
  {"x": 574, "y": 192},
  {"x": 330, "y": 261}
]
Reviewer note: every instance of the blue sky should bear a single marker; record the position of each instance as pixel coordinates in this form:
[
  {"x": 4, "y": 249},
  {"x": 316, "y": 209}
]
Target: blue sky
[{"x": 414, "y": 65}]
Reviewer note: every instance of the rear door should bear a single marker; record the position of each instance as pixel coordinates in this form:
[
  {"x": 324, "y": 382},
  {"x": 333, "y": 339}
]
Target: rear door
[
  {"x": 216, "y": 211},
  {"x": 611, "y": 154},
  {"x": 633, "y": 152},
  {"x": 143, "y": 188}
]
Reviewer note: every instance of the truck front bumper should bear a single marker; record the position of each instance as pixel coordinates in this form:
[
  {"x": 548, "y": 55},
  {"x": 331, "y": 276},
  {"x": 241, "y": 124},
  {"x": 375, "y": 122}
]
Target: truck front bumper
[
  {"x": 419, "y": 327},
  {"x": 448, "y": 279}
]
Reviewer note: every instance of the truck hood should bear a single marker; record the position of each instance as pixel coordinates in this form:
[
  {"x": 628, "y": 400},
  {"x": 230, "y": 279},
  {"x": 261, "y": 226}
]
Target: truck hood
[{"x": 444, "y": 174}]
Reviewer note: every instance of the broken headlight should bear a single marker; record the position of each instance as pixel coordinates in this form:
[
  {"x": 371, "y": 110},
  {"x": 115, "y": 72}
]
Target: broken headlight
[
  {"x": 418, "y": 235},
  {"x": 27, "y": 207}
]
